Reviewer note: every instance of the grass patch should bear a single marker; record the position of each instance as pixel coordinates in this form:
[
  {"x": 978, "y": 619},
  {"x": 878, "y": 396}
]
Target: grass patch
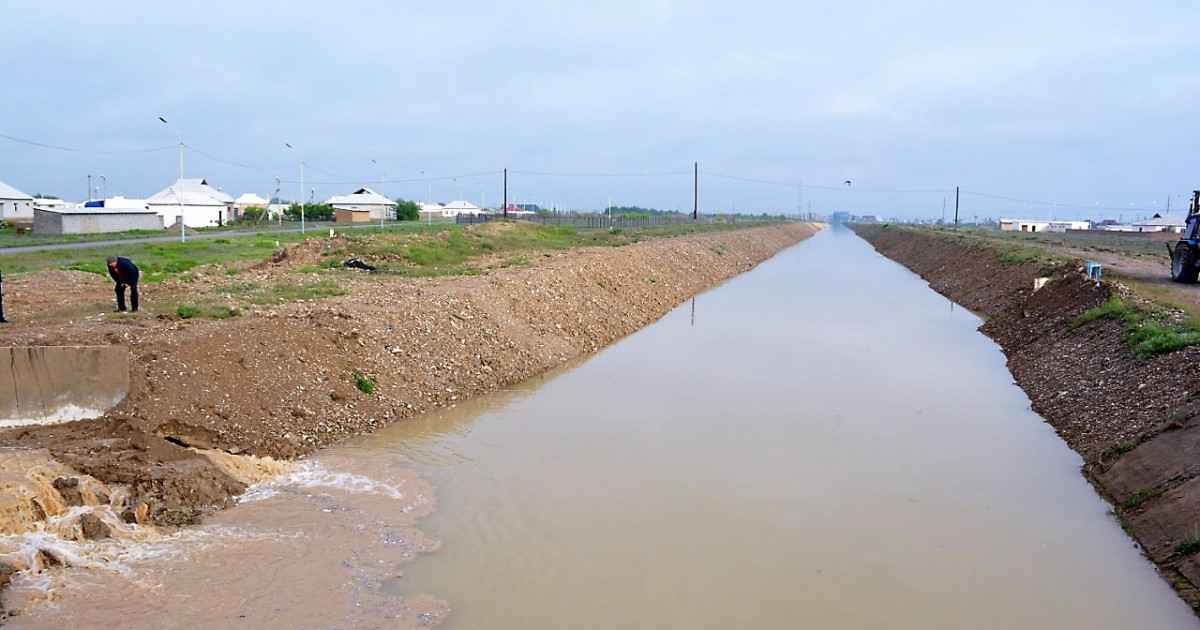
[
  {"x": 1189, "y": 546},
  {"x": 1141, "y": 496},
  {"x": 1149, "y": 332},
  {"x": 215, "y": 311},
  {"x": 1114, "y": 308},
  {"x": 1150, "y": 339},
  {"x": 364, "y": 384}
]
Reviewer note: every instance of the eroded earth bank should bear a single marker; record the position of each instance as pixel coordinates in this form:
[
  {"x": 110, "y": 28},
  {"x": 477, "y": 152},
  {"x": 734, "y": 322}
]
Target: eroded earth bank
[
  {"x": 210, "y": 397},
  {"x": 1132, "y": 420}
]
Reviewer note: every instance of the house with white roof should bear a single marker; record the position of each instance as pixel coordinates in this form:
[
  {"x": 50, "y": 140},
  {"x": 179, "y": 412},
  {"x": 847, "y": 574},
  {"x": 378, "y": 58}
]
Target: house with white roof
[
  {"x": 364, "y": 199},
  {"x": 199, "y": 204},
  {"x": 248, "y": 200},
  {"x": 14, "y": 204},
  {"x": 448, "y": 210},
  {"x": 1161, "y": 223}
]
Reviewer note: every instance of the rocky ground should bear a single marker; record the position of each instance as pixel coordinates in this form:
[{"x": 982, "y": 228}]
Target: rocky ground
[
  {"x": 1132, "y": 420},
  {"x": 282, "y": 381}
]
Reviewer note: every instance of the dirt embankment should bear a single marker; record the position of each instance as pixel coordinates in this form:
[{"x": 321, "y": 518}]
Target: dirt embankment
[
  {"x": 282, "y": 381},
  {"x": 1133, "y": 421}
]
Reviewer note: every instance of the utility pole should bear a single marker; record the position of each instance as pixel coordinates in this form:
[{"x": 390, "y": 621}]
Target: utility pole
[
  {"x": 301, "y": 184},
  {"x": 956, "y": 207},
  {"x": 506, "y": 193},
  {"x": 695, "y": 191}
]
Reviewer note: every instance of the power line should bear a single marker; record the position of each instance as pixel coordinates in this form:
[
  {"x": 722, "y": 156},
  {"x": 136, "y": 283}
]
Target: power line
[
  {"x": 73, "y": 150},
  {"x": 601, "y": 174}
]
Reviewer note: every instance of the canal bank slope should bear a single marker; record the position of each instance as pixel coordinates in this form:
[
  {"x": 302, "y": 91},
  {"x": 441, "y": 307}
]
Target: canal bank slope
[
  {"x": 282, "y": 381},
  {"x": 1131, "y": 419}
]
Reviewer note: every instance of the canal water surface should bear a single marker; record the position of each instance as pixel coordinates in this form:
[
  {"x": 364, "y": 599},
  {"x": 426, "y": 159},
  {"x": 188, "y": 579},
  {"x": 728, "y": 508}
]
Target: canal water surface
[{"x": 822, "y": 442}]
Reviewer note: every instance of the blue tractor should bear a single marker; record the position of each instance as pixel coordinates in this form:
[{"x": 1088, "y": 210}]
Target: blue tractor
[{"x": 1185, "y": 256}]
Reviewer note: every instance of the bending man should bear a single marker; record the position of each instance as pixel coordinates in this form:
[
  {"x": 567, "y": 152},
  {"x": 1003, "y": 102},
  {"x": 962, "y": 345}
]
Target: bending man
[{"x": 125, "y": 273}]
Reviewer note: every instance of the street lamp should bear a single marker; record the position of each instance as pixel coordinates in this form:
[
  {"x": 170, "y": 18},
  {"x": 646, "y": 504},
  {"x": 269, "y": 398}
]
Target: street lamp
[
  {"x": 382, "y": 180},
  {"x": 178, "y": 186},
  {"x": 301, "y": 184},
  {"x": 429, "y": 181},
  {"x": 164, "y": 120}
]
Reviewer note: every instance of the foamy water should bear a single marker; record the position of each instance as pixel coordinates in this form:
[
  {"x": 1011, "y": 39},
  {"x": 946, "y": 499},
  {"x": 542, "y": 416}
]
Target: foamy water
[{"x": 324, "y": 536}]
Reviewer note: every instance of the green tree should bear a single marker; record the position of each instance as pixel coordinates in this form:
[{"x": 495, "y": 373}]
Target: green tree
[
  {"x": 312, "y": 212},
  {"x": 253, "y": 213},
  {"x": 407, "y": 210}
]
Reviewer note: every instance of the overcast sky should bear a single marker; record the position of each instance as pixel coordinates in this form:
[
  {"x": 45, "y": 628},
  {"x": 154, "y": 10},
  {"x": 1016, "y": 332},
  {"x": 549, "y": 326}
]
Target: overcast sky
[{"x": 1093, "y": 106}]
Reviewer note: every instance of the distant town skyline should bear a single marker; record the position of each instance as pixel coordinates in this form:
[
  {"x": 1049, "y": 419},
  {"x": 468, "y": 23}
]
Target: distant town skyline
[{"x": 1067, "y": 110}]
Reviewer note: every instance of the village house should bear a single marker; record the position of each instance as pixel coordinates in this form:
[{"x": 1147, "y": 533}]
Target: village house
[
  {"x": 14, "y": 204},
  {"x": 248, "y": 200},
  {"x": 362, "y": 205},
  {"x": 193, "y": 200},
  {"x": 449, "y": 210},
  {"x": 1160, "y": 223}
]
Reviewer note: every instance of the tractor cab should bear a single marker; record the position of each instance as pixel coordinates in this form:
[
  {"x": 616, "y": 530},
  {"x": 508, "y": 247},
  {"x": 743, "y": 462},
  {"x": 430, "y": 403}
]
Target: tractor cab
[{"x": 1185, "y": 255}]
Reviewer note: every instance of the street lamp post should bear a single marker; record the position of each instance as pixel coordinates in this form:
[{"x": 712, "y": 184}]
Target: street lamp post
[
  {"x": 301, "y": 184},
  {"x": 383, "y": 181},
  {"x": 178, "y": 186},
  {"x": 164, "y": 120}
]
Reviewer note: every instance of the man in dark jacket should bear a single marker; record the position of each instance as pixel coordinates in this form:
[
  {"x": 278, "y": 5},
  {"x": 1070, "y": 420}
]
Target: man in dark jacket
[{"x": 125, "y": 273}]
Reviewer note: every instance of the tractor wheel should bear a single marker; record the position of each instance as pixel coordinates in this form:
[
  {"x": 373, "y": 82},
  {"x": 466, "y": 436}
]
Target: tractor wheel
[{"x": 1183, "y": 265}]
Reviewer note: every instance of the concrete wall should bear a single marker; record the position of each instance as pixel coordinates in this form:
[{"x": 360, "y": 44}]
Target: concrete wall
[
  {"x": 343, "y": 215},
  {"x": 47, "y": 385},
  {"x": 50, "y": 222},
  {"x": 16, "y": 208}
]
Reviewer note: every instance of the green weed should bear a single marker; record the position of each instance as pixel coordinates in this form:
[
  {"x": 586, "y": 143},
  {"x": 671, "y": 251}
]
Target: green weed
[
  {"x": 1112, "y": 309},
  {"x": 1141, "y": 496},
  {"x": 364, "y": 384}
]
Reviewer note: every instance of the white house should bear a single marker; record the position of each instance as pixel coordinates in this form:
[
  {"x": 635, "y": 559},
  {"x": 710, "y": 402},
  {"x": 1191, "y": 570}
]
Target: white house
[
  {"x": 199, "y": 204},
  {"x": 448, "y": 210},
  {"x": 46, "y": 203},
  {"x": 462, "y": 207},
  {"x": 249, "y": 200},
  {"x": 1160, "y": 223},
  {"x": 365, "y": 199},
  {"x": 1064, "y": 226},
  {"x": 14, "y": 204},
  {"x": 1023, "y": 225}
]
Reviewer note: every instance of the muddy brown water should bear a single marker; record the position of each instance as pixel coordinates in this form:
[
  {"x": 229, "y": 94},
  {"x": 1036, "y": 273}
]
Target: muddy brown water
[{"x": 822, "y": 442}]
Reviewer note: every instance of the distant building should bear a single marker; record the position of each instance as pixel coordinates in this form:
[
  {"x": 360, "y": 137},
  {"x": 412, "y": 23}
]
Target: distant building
[
  {"x": 14, "y": 204},
  {"x": 449, "y": 210},
  {"x": 193, "y": 201},
  {"x": 248, "y": 200},
  {"x": 1064, "y": 226},
  {"x": 364, "y": 199},
  {"x": 346, "y": 215},
  {"x": 1023, "y": 225},
  {"x": 515, "y": 210},
  {"x": 1161, "y": 223},
  {"x": 117, "y": 214}
]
